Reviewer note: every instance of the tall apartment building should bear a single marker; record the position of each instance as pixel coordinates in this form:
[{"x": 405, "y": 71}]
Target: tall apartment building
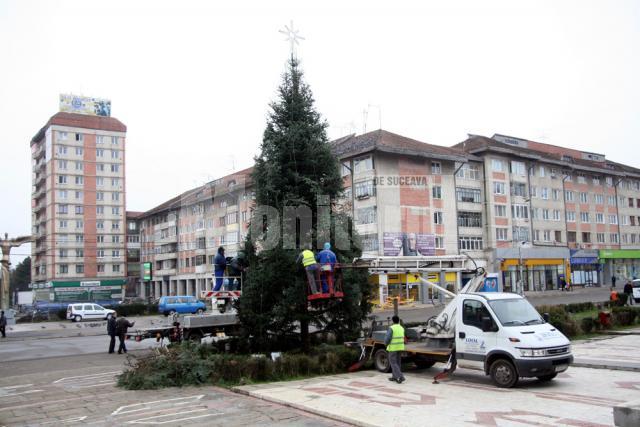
[
  {"x": 78, "y": 203},
  {"x": 554, "y": 211},
  {"x": 534, "y": 212}
]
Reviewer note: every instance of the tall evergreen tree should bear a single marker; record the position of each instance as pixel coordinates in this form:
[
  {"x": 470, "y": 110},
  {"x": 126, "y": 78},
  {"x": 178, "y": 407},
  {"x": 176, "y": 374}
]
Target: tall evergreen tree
[
  {"x": 295, "y": 168},
  {"x": 21, "y": 276}
]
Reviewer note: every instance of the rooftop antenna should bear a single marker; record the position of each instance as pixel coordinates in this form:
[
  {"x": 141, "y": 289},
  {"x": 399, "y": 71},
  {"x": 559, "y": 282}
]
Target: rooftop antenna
[
  {"x": 292, "y": 37},
  {"x": 365, "y": 115},
  {"x": 379, "y": 114}
]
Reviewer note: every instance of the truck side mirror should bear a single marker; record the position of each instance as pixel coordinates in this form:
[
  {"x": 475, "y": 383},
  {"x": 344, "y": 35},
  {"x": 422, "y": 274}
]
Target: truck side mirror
[
  {"x": 545, "y": 316},
  {"x": 487, "y": 324}
]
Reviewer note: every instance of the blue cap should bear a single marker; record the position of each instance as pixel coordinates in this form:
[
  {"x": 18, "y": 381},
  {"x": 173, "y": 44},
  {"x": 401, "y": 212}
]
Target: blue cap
[{"x": 327, "y": 246}]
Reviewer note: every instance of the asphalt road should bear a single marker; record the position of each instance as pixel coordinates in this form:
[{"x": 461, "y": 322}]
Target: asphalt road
[{"x": 80, "y": 390}]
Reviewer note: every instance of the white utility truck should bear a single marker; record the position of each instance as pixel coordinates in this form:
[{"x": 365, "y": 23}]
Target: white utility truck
[{"x": 500, "y": 333}]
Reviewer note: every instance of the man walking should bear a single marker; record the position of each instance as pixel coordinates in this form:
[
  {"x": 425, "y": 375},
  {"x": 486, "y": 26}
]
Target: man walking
[
  {"x": 395, "y": 346},
  {"x": 613, "y": 281},
  {"x": 122, "y": 326},
  {"x": 220, "y": 265},
  {"x": 111, "y": 331},
  {"x": 628, "y": 290},
  {"x": 3, "y": 325}
]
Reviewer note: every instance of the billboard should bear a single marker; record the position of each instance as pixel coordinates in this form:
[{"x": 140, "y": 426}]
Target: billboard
[
  {"x": 85, "y": 105},
  {"x": 409, "y": 244},
  {"x": 146, "y": 271}
]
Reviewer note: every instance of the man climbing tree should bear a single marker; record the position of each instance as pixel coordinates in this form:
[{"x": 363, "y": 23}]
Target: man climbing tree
[{"x": 297, "y": 176}]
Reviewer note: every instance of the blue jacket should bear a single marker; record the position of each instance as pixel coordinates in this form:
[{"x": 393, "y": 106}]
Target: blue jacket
[
  {"x": 220, "y": 263},
  {"x": 326, "y": 256}
]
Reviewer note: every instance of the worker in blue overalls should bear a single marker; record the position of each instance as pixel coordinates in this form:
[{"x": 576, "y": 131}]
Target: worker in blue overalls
[{"x": 327, "y": 260}]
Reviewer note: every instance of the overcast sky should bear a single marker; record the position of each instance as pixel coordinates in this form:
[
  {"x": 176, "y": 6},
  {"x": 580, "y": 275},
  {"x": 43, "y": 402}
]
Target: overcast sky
[{"x": 192, "y": 80}]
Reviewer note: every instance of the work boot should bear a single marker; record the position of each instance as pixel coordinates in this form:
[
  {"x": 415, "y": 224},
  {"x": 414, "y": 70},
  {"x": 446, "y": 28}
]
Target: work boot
[{"x": 392, "y": 379}]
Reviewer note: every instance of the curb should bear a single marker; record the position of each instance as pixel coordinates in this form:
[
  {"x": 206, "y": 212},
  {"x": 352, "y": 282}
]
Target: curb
[
  {"x": 605, "y": 365},
  {"x": 302, "y": 408}
]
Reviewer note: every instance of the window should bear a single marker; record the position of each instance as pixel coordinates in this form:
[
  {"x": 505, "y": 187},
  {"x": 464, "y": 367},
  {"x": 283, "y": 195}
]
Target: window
[
  {"x": 567, "y": 176},
  {"x": 370, "y": 242},
  {"x": 79, "y": 223},
  {"x": 115, "y": 154},
  {"x": 99, "y": 152},
  {"x": 596, "y": 180},
  {"x": 115, "y": 210},
  {"x": 473, "y": 312},
  {"x": 613, "y": 219},
  {"x": 556, "y": 194},
  {"x": 79, "y": 151},
  {"x": 115, "y": 238},
  {"x": 222, "y": 221},
  {"x": 556, "y": 215},
  {"x": 100, "y": 239},
  {"x": 62, "y": 150},
  {"x": 79, "y": 210},
  {"x": 100, "y": 225},
  {"x": 365, "y": 189},
  {"x": 470, "y": 243},
  {"x": 345, "y": 170},
  {"x": 115, "y": 196},
  {"x": 500, "y": 210},
  {"x": 100, "y": 210},
  {"x": 600, "y": 237},
  {"x": 501, "y": 234},
  {"x": 568, "y": 196},
  {"x": 558, "y": 236},
  {"x": 363, "y": 164},
  {"x": 611, "y": 200},
  {"x": 521, "y": 234},
  {"x": 366, "y": 215},
  {"x": 630, "y": 202},
  {"x": 231, "y": 238},
  {"x": 518, "y": 168},
  {"x": 518, "y": 189},
  {"x": 115, "y": 225},
  {"x": 468, "y": 195},
  {"x": 582, "y": 179},
  {"x": 63, "y": 223},
  {"x": 571, "y": 216},
  {"x": 115, "y": 268},
  {"x": 63, "y": 209},
  {"x": 544, "y": 193},
  {"x": 609, "y": 181},
  {"x": 542, "y": 171},
  {"x": 62, "y": 164},
  {"x": 62, "y": 179},
  {"x": 536, "y": 235},
  {"x": 584, "y": 197},
  {"x": 520, "y": 211},
  {"x": 584, "y": 216},
  {"x": 100, "y": 167},
  {"x": 79, "y": 195},
  {"x": 632, "y": 220},
  {"x": 115, "y": 253},
  {"x": 62, "y": 253},
  {"x": 62, "y": 194},
  {"x": 438, "y": 218},
  {"x": 598, "y": 199},
  {"x": 100, "y": 268},
  {"x": 79, "y": 180},
  {"x": 79, "y": 137},
  {"x": 79, "y": 238},
  {"x": 244, "y": 216},
  {"x": 545, "y": 214},
  {"x": 625, "y": 219},
  {"x": 586, "y": 237},
  {"x": 497, "y": 165},
  {"x": 100, "y": 253},
  {"x": 439, "y": 242},
  {"x": 436, "y": 192},
  {"x": 115, "y": 182},
  {"x": 63, "y": 136},
  {"x": 599, "y": 218},
  {"x": 99, "y": 195},
  {"x": 436, "y": 168},
  {"x": 79, "y": 268},
  {"x": 232, "y": 218},
  {"x": 535, "y": 213},
  {"x": 613, "y": 238},
  {"x": 469, "y": 219},
  {"x": 115, "y": 167},
  {"x": 100, "y": 139},
  {"x": 114, "y": 140},
  {"x": 63, "y": 268},
  {"x": 468, "y": 171},
  {"x": 131, "y": 226},
  {"x": 546, "y": 235}
]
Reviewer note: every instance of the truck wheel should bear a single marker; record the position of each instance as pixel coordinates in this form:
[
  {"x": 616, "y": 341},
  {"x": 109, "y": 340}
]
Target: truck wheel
[
  {"x": 200, "y": 311},
  {"x": 381, "y": 360},
  {"x": 546, "y": 378},
  {"x": 503, "y": 373},
  {"x": 424, "y": 363}
]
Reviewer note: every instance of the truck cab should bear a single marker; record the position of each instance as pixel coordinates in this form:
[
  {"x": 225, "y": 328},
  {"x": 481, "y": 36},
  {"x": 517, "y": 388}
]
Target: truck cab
[{"x": 503, "y": 334}]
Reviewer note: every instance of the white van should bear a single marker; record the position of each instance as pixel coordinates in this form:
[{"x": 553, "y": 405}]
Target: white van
[{"x": 88, "y": 311}]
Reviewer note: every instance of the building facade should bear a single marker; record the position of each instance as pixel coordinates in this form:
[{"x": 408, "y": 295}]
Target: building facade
[{"x": 78, "y": 207}]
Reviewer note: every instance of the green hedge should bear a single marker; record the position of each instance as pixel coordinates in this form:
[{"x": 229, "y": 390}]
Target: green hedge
[
  {"x": 194, "y": 364},
  {"x": 561, "y": 319},
  {"x": 136, "y": 309}
]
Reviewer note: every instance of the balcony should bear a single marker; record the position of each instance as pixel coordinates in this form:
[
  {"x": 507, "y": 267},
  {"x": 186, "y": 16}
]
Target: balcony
[
  {"x": 163, "y": 225},
  {"x": 204, "y": 268},
  {"x": 165, "y": 272},
  {"x": 167, "y": 255}
]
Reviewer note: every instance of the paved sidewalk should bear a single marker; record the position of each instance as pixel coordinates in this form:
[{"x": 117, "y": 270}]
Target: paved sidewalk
[
  {"x": 609, "y": 352},
  {"x": 580, "y": 397}
]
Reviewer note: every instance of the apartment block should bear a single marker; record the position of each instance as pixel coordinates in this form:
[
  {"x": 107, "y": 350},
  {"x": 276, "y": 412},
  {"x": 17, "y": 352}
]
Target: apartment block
[{"x": 78, "y": 207}]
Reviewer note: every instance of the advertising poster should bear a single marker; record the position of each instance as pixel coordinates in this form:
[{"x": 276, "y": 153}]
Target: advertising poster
[
  {"x": 85, "y": 105},
  {"x": 409, "y": 244}
]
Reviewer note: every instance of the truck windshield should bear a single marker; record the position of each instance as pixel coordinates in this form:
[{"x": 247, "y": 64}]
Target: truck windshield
[{"x": 515, "y": 312}]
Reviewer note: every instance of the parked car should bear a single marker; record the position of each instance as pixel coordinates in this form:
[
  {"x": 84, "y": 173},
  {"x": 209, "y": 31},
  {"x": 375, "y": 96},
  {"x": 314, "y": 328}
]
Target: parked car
[
  {"x": 636, "y": 290},
  {"x": 88, "y": 311},
  {"x": 180, "y": 304}
]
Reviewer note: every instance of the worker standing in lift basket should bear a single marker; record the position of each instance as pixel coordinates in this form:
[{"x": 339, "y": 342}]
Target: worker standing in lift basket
[
  {"x": 395, "y": 346},
  {"x": 310, "y": 267},
  {"x": 327, "y": 260},
  {"x": 220, "y": 265}
]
